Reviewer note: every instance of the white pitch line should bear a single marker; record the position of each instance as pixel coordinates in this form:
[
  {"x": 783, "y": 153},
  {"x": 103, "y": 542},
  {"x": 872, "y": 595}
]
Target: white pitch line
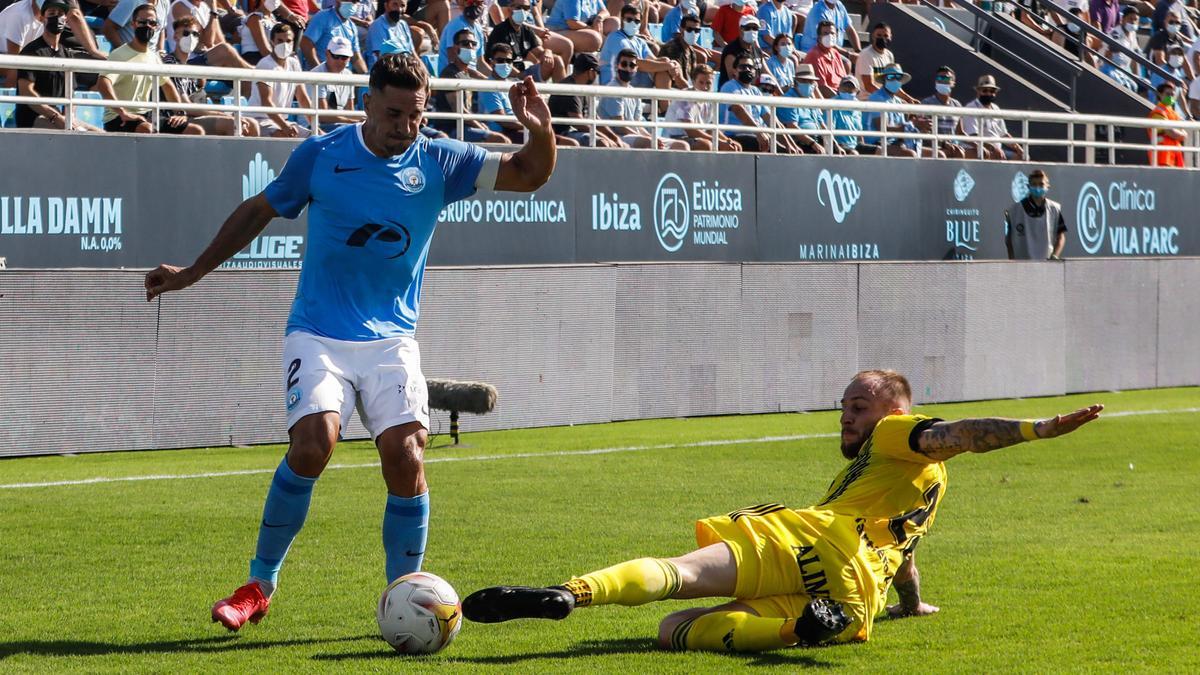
[
  {"x": 517, "y": 455},
  {"x": 432, "y": 460}
]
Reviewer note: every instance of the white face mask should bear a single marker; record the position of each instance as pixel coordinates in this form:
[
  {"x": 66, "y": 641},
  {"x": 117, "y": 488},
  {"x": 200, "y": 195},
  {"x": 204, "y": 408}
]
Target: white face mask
[
  {"x": 187, "y": 45},
  {"x": 1172, "y": 29},
  {"x": 749, "y": 36},
  {"x": 827, "y": 41},
  {"x": 691, "y": 38},
  {"x": 943, "y": 88},
  {"x": 631, "y": 28},
  {"x": 1129, "y": 27},
  {"x": 1175, "y": 60},
  {"x": 520, "y": 15},
  {"x": 270, "y": 5},
  {"x": 282, "y": 50}
]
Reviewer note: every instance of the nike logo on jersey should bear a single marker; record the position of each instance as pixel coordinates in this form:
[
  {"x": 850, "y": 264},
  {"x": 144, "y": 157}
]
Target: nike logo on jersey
[{"x": 338, "y": 168}]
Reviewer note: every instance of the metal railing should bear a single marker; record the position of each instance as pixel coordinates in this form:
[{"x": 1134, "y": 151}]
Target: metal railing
[{"x": 1080, "y": 131}]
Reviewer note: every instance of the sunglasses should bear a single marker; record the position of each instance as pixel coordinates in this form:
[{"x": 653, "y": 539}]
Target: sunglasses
[
  {"x": 691, "y": 30},
  {"x": 467, "y": 44},
  {"x": 146, "y": 22},
  {"x": 625, "y": 65},
  {"x": 944, "y": 78},
  {"x": 189, "y": 33},
  {"x": 339, "y": 57},
  {"x": 894, "y": 78},
  {"x": 502, "y": 61},
  {"x": 1172, "y": 23}
]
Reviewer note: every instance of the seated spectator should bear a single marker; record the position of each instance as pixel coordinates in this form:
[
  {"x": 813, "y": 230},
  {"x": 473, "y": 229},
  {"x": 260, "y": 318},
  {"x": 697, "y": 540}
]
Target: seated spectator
[
  {"x": 118, "y": 27},
  {"x": 781, "y": 65},
  {"x": 464, "y": 53},
  {"x": 1104, "y": 14},
  {"x": 652, "y": 71},
  {"x": 22, "y": 22},
  {"x": 585, "y": 69},
  {"x": 804, "y": 86},
  {"x": 835, "y": 13},
  {"x": 727, "y": 24},
  {"x": 186, "y": 38},
  {"x": 472, "y": 19},
  {"x": 1160, "y": 41},
  {"x": 280, "y": 94},
  {"x": 893, "y": 78},
  {"x": 337, "y": 97},
  {"x": 1069, "y": 37},
  {"x": 874, "y": 57},
  {"x": 776, "y": 19},
  {"x": 213, "y": 50},
  {"x": 550, "y": 40},
  {"x": 128, "y": 87},
  {"x": 827, "y": 61},
  {"x": 1167, "y": 137},
  {"x": 48, "y": 83},
  {"x": 750, "y": 114},
  {"x": 994, "y": 128},
  {"x": 851, "y": 121},
  {"x": 1126, "y": 32},
  {"x": 255, "y": 30},
  {"x": 391, "y": 25},
  {"x": 529, "y": 56},
  {"x": 326, "y": 25},
  {"x": 746, "y": 45},
  {"x": 1117, "y": 68},
  {"x": 1160, "y": 20},
  {"x": 697, "y": 112},
  {"x": 629, "y": 109},
  {"x": 684, "y": 46},
  {"x": 948, "y": 124},
  {"x": 582, "y": 22},
  {"x": 674, "y": 18},
  {"x": 500, "y": 60}
]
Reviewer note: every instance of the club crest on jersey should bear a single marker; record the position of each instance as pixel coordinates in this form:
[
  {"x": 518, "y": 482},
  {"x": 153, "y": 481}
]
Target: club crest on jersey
[
  {"x": 293, "y": 397},
  {"x": 411, "y": 179}
]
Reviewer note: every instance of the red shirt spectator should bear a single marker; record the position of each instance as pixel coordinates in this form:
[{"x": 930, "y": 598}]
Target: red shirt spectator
[
  {"x": 830, "y": 67},
  {"x": 726, "y": 22}
]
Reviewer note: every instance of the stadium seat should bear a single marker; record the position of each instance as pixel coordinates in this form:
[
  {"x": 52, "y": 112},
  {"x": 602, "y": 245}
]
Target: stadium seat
[
  {"x": 229, "y": 100},
  {"x": 95, "y": 23},
  {"x": 656, "y": 31},
  {"x": 103, "y": 44},
  {"x": 8, "y": 110},
  {"x": 431, "y": 62},
  {"x": 706, "y": 37},
  {"x": 92, "y": 114},
  {"x": 218, "y": 88}
]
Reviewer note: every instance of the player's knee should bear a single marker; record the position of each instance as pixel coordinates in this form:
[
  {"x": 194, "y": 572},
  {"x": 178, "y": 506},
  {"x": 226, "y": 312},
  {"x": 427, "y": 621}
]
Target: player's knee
[
  {"x": 666, "y": 628},
  {"x": 312, "y": 441}
]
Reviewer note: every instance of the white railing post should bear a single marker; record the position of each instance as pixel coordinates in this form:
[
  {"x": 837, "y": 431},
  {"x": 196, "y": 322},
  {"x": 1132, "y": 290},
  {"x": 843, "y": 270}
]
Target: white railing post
[
  {"x": 1112, "y": 145},
  {"x": 1089, "y": 153},
  {"x": 829, "y": 140},
  {"x": 1025, "y": 136},
  {"x": 70, "y": 106},
  {"x": 593, "y": 115},
  {"x": 1070, "y": 142},
  {"x": 460, "y": 122},
  {"x": 237, "y": 110}
]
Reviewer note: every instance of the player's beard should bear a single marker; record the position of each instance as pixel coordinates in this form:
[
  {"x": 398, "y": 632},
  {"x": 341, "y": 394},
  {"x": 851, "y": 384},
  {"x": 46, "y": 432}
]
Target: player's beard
[{"x": 850, "y": 450}]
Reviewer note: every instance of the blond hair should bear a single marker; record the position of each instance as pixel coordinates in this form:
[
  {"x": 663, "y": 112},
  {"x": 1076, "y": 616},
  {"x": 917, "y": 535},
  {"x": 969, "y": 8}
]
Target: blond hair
[{"x": 887, "y": 383}]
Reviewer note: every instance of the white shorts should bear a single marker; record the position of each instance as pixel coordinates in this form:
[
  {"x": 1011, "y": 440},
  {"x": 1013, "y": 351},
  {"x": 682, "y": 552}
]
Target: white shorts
[{"x": 383, "y": 377}]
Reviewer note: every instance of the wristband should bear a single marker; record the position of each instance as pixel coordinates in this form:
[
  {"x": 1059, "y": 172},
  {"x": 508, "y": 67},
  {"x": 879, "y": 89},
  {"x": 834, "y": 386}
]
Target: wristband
[{"x": 1028, "y": 430}]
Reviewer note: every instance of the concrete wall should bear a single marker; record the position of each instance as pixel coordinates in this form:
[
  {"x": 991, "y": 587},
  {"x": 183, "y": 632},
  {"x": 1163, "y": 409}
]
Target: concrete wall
[{"x": 87, "y": 365}]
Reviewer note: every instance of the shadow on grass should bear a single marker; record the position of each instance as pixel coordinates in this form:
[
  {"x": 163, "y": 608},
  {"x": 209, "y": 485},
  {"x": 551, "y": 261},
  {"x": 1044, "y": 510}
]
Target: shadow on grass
[
  {"x": 797, "y": 658},
  {"x": 223, "y": 643}
]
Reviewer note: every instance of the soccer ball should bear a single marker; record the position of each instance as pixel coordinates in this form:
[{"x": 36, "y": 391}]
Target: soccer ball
[{"x": 419, "y": 613}]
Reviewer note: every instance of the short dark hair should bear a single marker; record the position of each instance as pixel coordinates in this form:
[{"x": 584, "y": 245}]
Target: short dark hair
[
  {"x": 141, "y": 8},
  {"x": 744, "y": 56},
  {"x": 465, "y": 31},
  {"x": 401, "y": 70},
  {"x": 627, "y": 54},
  {"x": 631, "y": 9},
  {"x": 185, "y": 21},
  {"x": 499, "y": 47},
  {"x": 777, "y": 38},
  {"x": 280, "y": 28},
  {"x": 881, "y": 24},
  {"x": 690, "y": 18},
  {"x": 822, "y": 24},
  {"x": 1163, "y": 85},
  {"x": 1038, "y": 173},
  {"x": 944, "y": 69}
]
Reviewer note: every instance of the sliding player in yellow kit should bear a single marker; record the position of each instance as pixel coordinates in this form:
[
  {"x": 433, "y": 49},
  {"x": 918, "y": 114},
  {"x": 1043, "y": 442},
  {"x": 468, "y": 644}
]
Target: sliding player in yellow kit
[{"x": 802, "y": 576}]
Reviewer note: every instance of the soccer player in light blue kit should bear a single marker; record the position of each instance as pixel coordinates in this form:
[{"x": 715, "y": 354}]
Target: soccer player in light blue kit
[{"x": 374, "y": 191}]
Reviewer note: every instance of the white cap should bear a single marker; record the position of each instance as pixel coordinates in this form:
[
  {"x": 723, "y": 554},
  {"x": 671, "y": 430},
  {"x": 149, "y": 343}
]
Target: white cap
[
  {"x": 748, "y": 20},
  {"x": 340, "y": 46}
]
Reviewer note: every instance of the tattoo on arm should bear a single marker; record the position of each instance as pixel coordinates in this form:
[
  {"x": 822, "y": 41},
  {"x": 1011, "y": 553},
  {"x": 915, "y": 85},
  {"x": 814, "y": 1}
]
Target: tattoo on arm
[{"x": 944, "y": 440}]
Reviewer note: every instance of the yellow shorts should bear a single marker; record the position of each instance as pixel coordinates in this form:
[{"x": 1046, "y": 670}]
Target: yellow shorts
[{"x": 787, "y": 557}]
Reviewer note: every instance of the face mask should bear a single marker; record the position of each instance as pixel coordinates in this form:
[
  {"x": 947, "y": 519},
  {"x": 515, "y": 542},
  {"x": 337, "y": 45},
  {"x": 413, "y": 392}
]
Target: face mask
[
  {"x": 467, "y": 54},
  {"x": 691, "y": 38},
  {"x": 143, "y": 34},
  {"x": 846, "y": 95},
  {"x": 986, "y": 100},
  {"x": 270, "y": 5},
  {"x": 1172, "y": 28},
  {"x": 187, "y": 45},
  {"x": 749, "y": 36},
  {"x": 503, "y": 70},
  {"x": 631, "y": 28},
  {"x": 346, "y": 10},
  {"x": 882, "y": 43},
  {"x": 282, "y": 50},
  {"x": 394, "y": 16},
  {"x": 625, "y": 75},
  {"x": 56, "y": 24},
  {"x": 943, "y": 88},
  {"x": 827, "y": 41},
  {"x": 892, "y": 86},
  {"x": 520, "y": 15},
  {"x": 1175, "y": 61},
  {"x": 473, "y": 13},
  {"x": 746, "y": 77},
  {"x": 1129, "y": 27},
  {"x": 805, "y": 90},
  {"x": 1121, "y": 60},
  {"x": 785, "y": 52},
  {"x": 1037, "y": 192},
  {"x": 1073, "y": 29},
  {"x": 1168, "y": 101}
]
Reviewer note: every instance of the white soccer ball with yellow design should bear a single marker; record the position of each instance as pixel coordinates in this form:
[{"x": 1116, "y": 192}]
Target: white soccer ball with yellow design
[{"x": 419, "y": 613}]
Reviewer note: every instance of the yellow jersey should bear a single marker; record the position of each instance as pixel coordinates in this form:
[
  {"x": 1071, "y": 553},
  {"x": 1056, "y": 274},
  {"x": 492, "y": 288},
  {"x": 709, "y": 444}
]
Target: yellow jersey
[{"x": 891, "y": 490}]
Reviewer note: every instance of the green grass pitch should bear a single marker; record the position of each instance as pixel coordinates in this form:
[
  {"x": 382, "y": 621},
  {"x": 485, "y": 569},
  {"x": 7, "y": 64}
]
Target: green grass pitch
[{"x": 1069, "y": 555}]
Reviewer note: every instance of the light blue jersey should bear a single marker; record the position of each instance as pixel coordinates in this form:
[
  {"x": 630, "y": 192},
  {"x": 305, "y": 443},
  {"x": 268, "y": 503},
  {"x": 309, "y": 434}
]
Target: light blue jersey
[
  {"x": 613, "y": 45},
  {"x": 381, "y": 31},
  {"x": 370, "y": 220}
]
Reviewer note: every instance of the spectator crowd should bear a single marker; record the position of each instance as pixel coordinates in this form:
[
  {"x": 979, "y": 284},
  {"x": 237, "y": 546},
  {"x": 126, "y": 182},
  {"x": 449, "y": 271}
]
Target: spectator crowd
[{"x": 795, "y": 49}]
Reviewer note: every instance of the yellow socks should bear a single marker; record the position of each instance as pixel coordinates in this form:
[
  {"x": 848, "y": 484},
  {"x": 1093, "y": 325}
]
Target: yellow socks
[
  {"x": 631, "y": 583},
  {"x": 734, "y": 632}
]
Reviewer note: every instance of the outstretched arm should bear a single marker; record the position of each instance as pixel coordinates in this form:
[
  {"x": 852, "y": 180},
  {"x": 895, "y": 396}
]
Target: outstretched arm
[
  {"x": 242, "y": 226},
  {"x": 944, "y": 440},
  {"x": 530, "y": 167},
  {"x": 907, "y": 583}
]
